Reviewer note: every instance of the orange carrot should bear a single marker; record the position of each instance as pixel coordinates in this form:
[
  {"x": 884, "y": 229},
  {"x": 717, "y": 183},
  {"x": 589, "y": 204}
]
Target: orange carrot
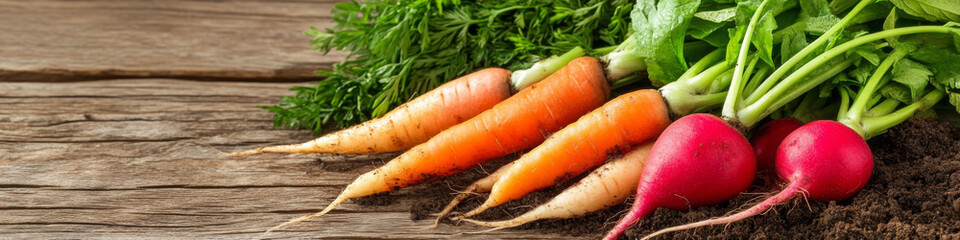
[
  {"x": 607, "y": 186},
  {"x": 614, "y": 128},
  {"x": 413, "y": 122},
  {"x": 518, "y": 123}
]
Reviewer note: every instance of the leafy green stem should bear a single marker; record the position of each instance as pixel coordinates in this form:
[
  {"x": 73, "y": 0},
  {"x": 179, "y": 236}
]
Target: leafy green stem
[
  {"x": 736, "y": 85},
  {"x": 754, "y": 112},
  {"x": 873, "y": 126},
  {"x": 520, "y": 79},
  {"x": 844, "y": 102},
  {"x": 883, "y": 108},
  {"x": 859, "y": 106},
  {"x": 806, "y": 51},
  {"x": 754, "y": 82},
  {"x": 622, "y": 61}
]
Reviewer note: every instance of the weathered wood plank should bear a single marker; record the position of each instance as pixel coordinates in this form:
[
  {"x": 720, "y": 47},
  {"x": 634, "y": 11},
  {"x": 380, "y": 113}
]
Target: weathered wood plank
[
  {"x": 59, "y": 40},
  {"x": 141, "y": 159}
]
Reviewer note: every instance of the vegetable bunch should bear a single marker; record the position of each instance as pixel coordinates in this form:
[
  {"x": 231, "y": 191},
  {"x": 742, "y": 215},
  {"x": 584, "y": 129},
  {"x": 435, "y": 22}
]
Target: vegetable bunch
[{"x": 852, "y": 68}]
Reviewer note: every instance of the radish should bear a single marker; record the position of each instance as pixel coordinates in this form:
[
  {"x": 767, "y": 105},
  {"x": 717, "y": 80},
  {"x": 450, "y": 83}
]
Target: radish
[
  {"x": 830, "y": 160},
  {"x": 698, "y": 160},
  {"x": 767, "y": 139},
  {"x": 823, "y": 160}
]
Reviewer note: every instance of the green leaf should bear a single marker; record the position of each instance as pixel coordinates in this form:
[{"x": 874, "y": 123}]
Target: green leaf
[
  {"x": 763, "y": 31},
  {"x": 875, "y": 11},
  {"x": 868, "y": 53},
  {"x": 709, "y": 31},
  {"x": 891, "y": 23},
  {"x": 897, "y": 91},
  {"x": 660, "y": 28},
  {"x": 913, "y": 75},
  {"x": 931, "y": 10},
  {"x": 792, "y": 44},
  {"x": 862, "y": 73},
  {"x": 717, "y": 16},
  {"x": 944, "y": 64}
]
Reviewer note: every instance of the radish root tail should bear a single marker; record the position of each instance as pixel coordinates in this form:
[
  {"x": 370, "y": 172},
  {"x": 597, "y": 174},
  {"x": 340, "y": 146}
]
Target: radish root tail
[
  {"x": 784, "y": 195},
  {"x": 333, "y": 205}
]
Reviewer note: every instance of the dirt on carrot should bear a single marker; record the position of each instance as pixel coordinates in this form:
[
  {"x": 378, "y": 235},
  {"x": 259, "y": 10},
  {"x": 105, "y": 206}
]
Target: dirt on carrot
[{"x": 914, "y": 193}]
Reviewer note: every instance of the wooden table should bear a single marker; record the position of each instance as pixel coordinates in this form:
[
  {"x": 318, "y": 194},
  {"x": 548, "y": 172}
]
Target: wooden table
[{"x": 109, "y": 127}]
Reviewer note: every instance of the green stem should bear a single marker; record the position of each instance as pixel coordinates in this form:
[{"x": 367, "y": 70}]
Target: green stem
[
  {"x": 684, "y": 98},
  {"x": 708, "y": 101},
  {"x": 721, "y": 83},
  {"x": 754, "y": 82},
  {"x": 702, "y": 64},
  {"x": 844, "y": 103},
  {"x": 736, "y": 85},
  {"x": 809, "y": 49},
  {"x": 863, "y": 97},
  {"x": 806, "y": 86},
  {"x": 622, "y": 62},
  {"x": 605, "y": 50},
  {"x": 522, "y": 78},
  {"x": 873, "y": 126},
  {"x": 755, "y": 111},
  {"x": 883, "y": 108},
  {"x": 703, "y": 80}
]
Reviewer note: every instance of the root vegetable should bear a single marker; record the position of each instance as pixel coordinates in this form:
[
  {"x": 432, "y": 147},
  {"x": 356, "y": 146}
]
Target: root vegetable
[
  {"x": 698, "y": 160},
  {"x": 520, "y": 122},
  {"x": 822, "y": 160},
  {"x": 413, "y": 122}
]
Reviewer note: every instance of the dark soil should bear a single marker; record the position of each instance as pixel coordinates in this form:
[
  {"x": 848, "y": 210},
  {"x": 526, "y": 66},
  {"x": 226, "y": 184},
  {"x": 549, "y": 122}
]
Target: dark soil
[{"x": 914, "y": 193}]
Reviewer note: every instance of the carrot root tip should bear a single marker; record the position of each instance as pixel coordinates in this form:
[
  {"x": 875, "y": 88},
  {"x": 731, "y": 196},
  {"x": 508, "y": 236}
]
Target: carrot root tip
[
  {"x": 475, "y": 211},
  {"x": 245, "y": 153},
  {"x": 329, "y": 208}
]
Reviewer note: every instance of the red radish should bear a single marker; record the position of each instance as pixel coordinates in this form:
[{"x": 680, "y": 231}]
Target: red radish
[
  {"x": 823, "y": 160},
  {"x": 698, "y": 160},
  {"x": 767, "y": 140}
]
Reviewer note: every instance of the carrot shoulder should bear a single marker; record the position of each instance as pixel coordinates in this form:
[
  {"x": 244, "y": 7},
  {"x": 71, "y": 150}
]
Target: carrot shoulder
[
  {"x": 612, "y": 129},
  {"x": 413, "y": 122},
  {"x": 518, "y": 123}
]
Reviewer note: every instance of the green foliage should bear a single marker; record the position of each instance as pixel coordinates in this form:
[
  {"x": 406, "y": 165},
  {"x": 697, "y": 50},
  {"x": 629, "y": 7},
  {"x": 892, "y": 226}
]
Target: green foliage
[
  {"x": 931, "y": 10},
  {"x": 660, "y": 28},
  {"x": 913, "y": 75},
  {"x": 403, "y": 48}
]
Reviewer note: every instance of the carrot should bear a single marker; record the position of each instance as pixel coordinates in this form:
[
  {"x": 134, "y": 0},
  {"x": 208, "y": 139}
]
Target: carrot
[
  {"x": 609, "y": 185},
  {"x": 614, "y": 128},
  {"x": 517, "y": 123},
  {"x": 413, "y": 122},
  {"x": 480, "y": 186}
]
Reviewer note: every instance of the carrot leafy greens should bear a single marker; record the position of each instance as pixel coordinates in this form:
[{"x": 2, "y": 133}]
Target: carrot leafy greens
[{"x": 403, "y": 48}]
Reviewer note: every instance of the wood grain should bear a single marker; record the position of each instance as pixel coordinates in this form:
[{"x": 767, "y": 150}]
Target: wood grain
[
  {"x": 59, "y": 40},
  {"x": 141, "y": 159}
]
